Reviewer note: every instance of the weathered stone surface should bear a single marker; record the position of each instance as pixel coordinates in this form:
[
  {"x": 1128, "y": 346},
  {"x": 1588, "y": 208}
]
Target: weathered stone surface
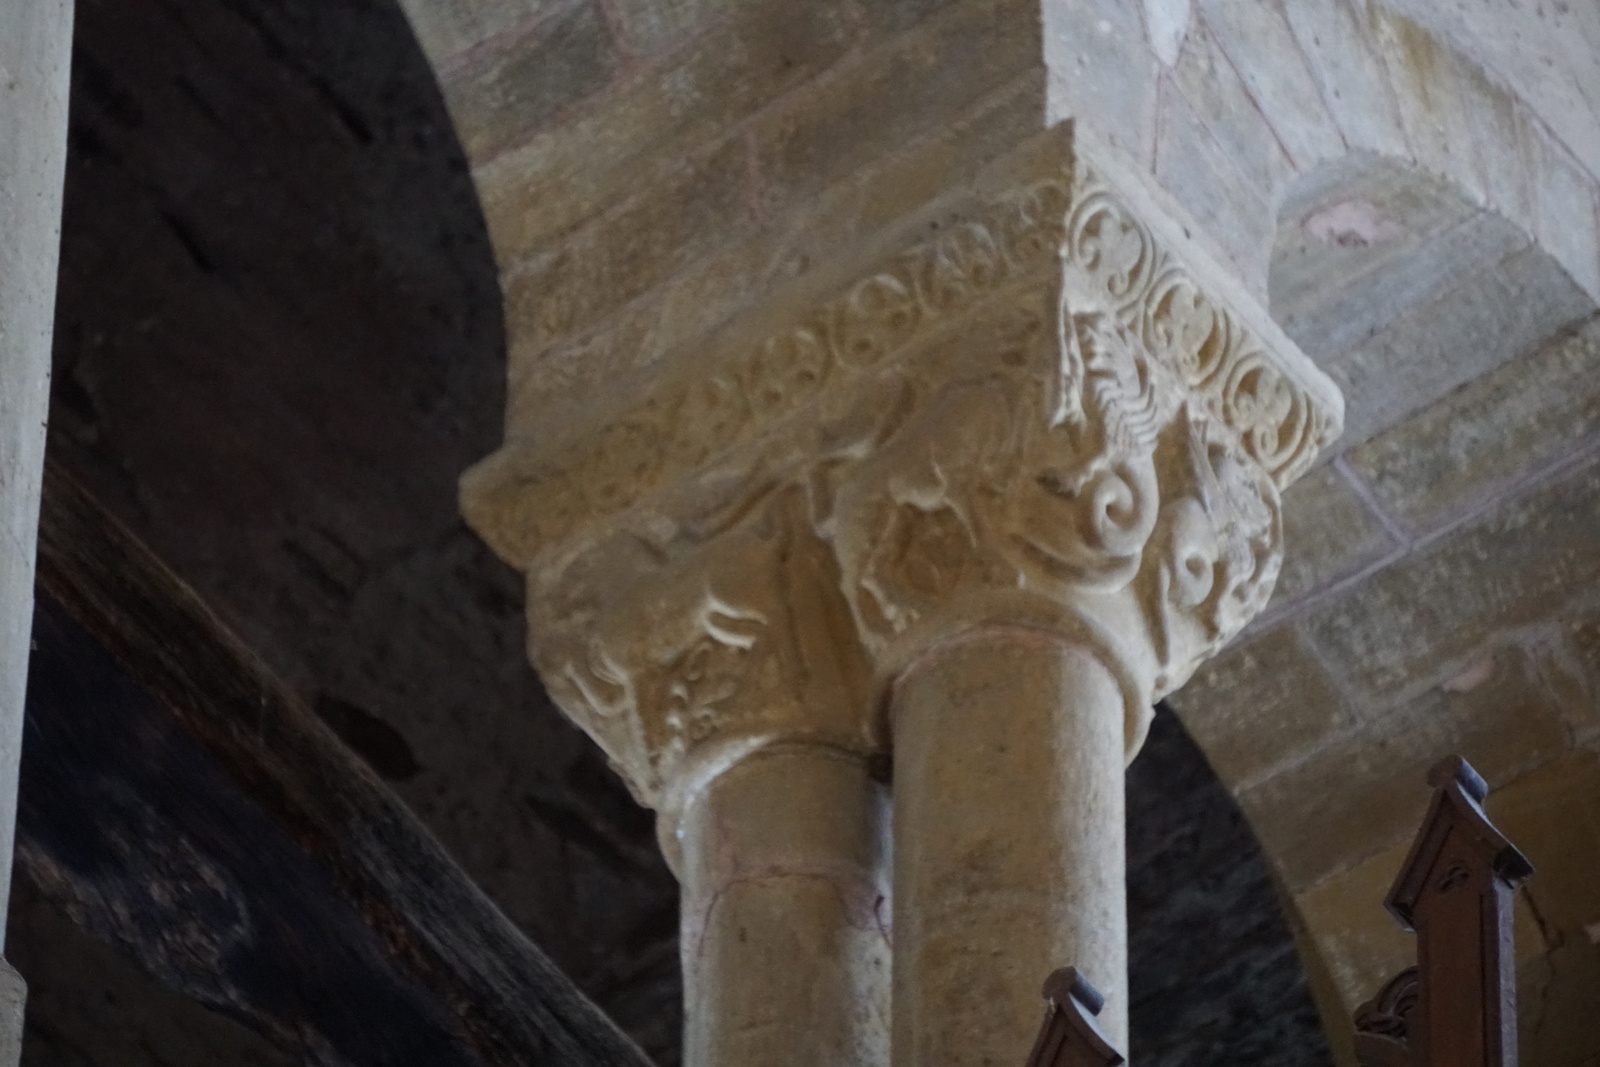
[
  {"x": 1526, "y": 414},
  {"x": 1350, "y": 300},
  {"x": 1354, "y": 217},
  {"x": 1214, "y": 90},
  {"x": 1498, "y": 313},
  {"x": 1349, "y": 70},
  {"x": 1547, "y": 53},
  {"x": 1102, "y": 70},
  {"x": 1266, "y": 700},
  {"x": 446, "y": 28},
  {"x": 649, "y": 26},
  {"x": 1551, "y": 815},
  {"x": 13, "y": 1002},
  {"x": 1359, "y": 944},
  {"x": 515, "y": 89},
  {"x": 1258, "y": 39},
  {"x": 1557, "y": 1005},
  {"x": 1569, "y": 215},
  {"x": 1199, "y": 174},
  {"x": 868, "y": 108},
  {"x": 1571, "y": 665},
  {"x": 1426, "y": 75},
  {"x": 613, "y": 146},
  {"x": 1329, "y": 533},
  {"x": 1509, "y": 568},
  {"x": 661, "y": 329},
  {"x": 1352, "y": 796},
  {"x": 626, "y": 252}
]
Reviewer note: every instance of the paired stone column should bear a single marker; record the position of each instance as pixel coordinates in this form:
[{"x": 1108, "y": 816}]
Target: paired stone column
[
  {"x": 965, "y": 513},
  {"x": 35, "y": 39}
]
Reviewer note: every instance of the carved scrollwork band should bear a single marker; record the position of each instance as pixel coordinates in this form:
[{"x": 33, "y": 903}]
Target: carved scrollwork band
[{"x": 528, "y": 505}]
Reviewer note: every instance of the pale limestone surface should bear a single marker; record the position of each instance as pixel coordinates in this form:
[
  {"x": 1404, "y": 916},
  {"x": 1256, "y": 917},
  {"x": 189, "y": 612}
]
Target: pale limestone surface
[
  {"x": 786, "y": 913},
  {"x": 1498, "y": 98},
  {"x": 1410, "y": 188},
  {"x": 1037, "y": 412},
  {"x": 1009, "y": 844},
  {"x": 1444, "y": 605},
  {"x": 35, "y": 42}
]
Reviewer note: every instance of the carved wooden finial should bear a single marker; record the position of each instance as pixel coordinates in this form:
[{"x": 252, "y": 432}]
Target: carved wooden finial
[
  {"x": 1070, "y": 1037},
  {"x": 1457, "y": 1007}
]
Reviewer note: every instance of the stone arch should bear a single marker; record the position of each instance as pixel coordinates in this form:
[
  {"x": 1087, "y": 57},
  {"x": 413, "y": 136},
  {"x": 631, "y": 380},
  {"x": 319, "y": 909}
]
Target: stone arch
[
  {"x": 1227, "y": 104},
  {"x": 1436, "y": 596}
]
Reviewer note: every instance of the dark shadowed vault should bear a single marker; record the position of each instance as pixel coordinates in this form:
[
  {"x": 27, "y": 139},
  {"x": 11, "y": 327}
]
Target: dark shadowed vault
[{"x": 278, "y": 343}]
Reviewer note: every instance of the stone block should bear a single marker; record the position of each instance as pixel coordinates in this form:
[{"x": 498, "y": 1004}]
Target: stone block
[
  {"x": 644, "y": 128},
  {"x": 919, "y": 82},
  {"x": 1490, "y": 317},
  {"x": 1511, "y": 568},
  {"x": 1349, "y": 220},
  {"x": 628, "y": 251},
  {"x": 1571, "y": 665},
  {"x": 1331, "y": 810},
  {"x": 1567, "y": 224},
  {"x": 1102, "y": 70},
  {"x": 1427, "y": 76},
  {"x": 1257, "y": 38},
  {"x": 1499, "y": 127},
  {"x": 666, "y": 323},
  {"x": 1196, "y": 172},
  {"x": 1350, "y": 73},
  {"x": 1345, "y": 301},
  {"x": 1218, "y": 97},
  {"x": 509, "y": 92},
  {"x": 1519, "y": 417},
  {"x": 1542, "y": 52},
  {"x": 1328, "y": 533},
  {"x": 1264, "y": 702},
  {"x": 446, "y": 28},
  {"x": 1360, "y": 945},
  {"x": 1558, "y": 1000},
  {"x": 650, "y": 26},
  {"x": 1553, "y": 816}
]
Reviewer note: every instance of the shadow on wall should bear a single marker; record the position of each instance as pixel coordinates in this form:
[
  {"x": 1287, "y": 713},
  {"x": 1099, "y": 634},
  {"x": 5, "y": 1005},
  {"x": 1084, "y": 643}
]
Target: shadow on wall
[{"x": 1214, "y": 977}]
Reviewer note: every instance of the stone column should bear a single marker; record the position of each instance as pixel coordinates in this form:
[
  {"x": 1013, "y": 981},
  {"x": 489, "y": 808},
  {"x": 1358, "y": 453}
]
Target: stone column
[
  {"x": 971, "y": 507},
  {"x": 1009, "y": 844},
  {"x": 785, "y": 912},
  {"x": 35, "y": 39}
]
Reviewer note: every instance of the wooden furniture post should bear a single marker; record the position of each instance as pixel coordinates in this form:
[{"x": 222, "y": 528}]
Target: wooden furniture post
[
  {"x": 1457, "y": 1007},
  {"x": 1070, "y": 1036}
]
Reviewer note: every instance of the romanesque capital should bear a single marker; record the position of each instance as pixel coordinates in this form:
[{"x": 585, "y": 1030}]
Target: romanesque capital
[{"x": 1044, "y": 407}]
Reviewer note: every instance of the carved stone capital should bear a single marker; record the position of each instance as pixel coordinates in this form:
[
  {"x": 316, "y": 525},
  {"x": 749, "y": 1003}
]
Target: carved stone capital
[{"x": 1042, "y": 408}]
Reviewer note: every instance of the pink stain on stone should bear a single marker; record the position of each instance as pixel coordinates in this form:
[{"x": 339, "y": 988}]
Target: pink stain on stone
[{"x": 1351, "y": 224}]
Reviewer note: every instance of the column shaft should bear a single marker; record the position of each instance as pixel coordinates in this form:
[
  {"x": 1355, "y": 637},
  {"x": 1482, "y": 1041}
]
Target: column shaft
[
  {"x": 1008, "y": 844},
  {"x": 785, "y": 913}
]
